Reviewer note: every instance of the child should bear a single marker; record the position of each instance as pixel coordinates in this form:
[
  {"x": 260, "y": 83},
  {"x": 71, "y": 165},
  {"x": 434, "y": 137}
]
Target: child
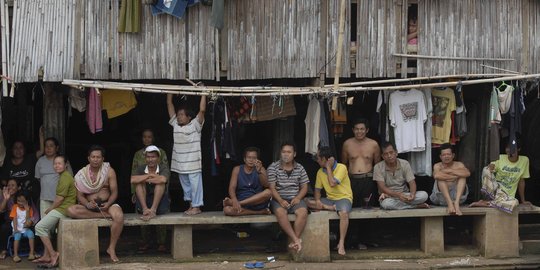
[
  {"x": 20, "y": 215},
  {"x": 412, "y": 35}
]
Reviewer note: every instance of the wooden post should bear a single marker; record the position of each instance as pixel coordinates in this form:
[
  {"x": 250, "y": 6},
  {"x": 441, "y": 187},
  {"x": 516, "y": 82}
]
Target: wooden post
[{"x": 339, "y": 54}]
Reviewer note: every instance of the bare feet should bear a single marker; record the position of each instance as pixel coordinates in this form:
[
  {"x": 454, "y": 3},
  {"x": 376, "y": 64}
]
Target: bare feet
[
  {"x": 42, "y": 260},
  {"x": 341, "y": 248},
  {"x": 188, "y": 211},
  {"x": 226, "y": 202},
  {"x": 450, "y": 209},
  {"x": 112, "y": 254},
  {"x": 193, "y": 211},
  {"x": 149, "y": 216},
  {"x": 423, "y": 205},
  {"x": 266, "y": 211},
  {"x": 480, "y": 203},
  {"x": 329, "y": 207},
  {"x": 54, "y": 260},
  {"x": 458, "y": 210}
]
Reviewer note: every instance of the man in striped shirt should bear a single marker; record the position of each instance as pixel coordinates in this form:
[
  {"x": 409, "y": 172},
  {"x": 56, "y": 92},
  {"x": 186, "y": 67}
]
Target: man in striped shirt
[
  {"x": 186, "y": 154},
  {"x": 289, "y": 184}
]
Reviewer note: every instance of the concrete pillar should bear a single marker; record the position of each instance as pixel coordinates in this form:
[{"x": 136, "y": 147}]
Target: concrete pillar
[
  {"x": 315, "y": 239},
  {"x": 182, "y": 242},
  {"x": 432, "y": 235},
  {"x": 78, "y": 244},
  {"x": 497, "y": 234}
]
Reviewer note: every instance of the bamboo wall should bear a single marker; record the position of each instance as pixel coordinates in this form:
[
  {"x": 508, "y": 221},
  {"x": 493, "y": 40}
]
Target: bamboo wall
[
  {"x": 263, "y": 39},
  {"x": 469, "y": 28},
  {"x": 43, "y": 40}
]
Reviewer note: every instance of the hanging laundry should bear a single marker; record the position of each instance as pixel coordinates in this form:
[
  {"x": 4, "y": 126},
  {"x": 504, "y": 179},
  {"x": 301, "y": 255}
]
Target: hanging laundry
[
  {"x": 407, "y": 115},
  {"x": 512, "y": 120},
  {"x": 269, "y": 108},
  {"x": 176, "y": 8},
  {"x": 421, "y": 161},
  {"x": 444, "y": 103},
  {"x": 504, "y": 93},
  {"x": 93, "y": 112},
  {"x": 130, "y": 16},
  {"x": 218, "y": 7},
  {"x": 323, "y": 128},
  {"x": 494, "y": 109},
  {"x": 77, "y": 99},
  {"x": 339, "y": 117},
  {"x": 313, "y": 122},
  {"x": 117, "y": 102}
]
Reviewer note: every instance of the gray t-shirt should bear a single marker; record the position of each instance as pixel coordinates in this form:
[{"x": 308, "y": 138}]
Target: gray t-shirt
[
  {"x": 48, "y": 178},
  {"x": 287, "y": 185},
  {"x": 395, "y": 181}
]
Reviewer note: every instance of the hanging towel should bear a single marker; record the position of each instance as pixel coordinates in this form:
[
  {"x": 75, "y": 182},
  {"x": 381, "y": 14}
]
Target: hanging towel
[
  {"x": 505, "y": 98},
  {"x": 117, "y": 102},
  {"x": 313, "y": 122},
  {"x": 77, "y": 99},
  {"x": 130, "y": 16},
  {"x": 93, "y": 113}
]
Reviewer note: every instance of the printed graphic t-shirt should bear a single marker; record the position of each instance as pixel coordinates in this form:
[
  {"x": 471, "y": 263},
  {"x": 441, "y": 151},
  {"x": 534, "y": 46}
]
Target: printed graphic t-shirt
[
  {"x": 509, "y": 173},
  {"x": 407, "y": 114},
  {"x": 444, "y": 102}
]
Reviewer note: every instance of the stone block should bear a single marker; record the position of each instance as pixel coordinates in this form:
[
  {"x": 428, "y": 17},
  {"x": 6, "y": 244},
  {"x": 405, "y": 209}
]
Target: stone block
[
  {"x": 182, "y": 242},
  {"x": 315, "y": 239},
  {"x": 432, "y": 235},
  {"x": 78, "y": 244},
  {"x": 497, "y": 234}
]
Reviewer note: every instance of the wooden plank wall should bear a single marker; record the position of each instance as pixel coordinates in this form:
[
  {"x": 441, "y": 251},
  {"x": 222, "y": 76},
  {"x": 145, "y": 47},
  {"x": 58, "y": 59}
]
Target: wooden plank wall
[
  {"x": 42, "y": 39},
  {"x": 469, "y": 28},
  {"x": 534, "y": 36},
  {"x": 158, "y": 51},
  {"x": 332, "y": 35},
  {"x": 101, "y": 39},
  {"x": 202, "y": 42},
  {"x": 272, "y": 39},
  {"x": 378, "y": 37}
]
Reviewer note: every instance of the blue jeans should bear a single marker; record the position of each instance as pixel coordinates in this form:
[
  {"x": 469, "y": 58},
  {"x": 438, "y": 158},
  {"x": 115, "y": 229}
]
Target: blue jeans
[
  {"x": 28, "y": 234},
  {"x": 193, "y": 188}
]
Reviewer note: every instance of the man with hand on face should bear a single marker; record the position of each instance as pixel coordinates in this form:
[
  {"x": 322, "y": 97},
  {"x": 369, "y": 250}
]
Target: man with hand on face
[
  {"x": 289, "y": 184},
  {"x": 395, "y": 180},
  {"x": 248, "y": 188}
]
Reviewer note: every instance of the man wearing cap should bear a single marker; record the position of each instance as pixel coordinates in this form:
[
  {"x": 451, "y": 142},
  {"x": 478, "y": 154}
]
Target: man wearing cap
[{"x": 151, "y": 188}]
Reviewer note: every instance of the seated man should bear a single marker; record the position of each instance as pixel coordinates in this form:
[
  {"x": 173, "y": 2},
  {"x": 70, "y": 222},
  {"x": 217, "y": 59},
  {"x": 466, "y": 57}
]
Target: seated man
[
  {"x": 450, "y": 187},
  {"x": 392, "y": 176},
  {"x": 97, "y": 190},
  {"x": 502, "y": 178},
  {"x": 289, "y": 184},
  {"x": 150, "y": 183},
  {"x": 248, "y": 193},
  {"x": 334, "y": 178}
]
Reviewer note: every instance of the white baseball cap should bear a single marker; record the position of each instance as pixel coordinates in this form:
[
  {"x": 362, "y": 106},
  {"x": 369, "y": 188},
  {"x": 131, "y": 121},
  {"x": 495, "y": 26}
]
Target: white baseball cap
[{"x": 152, "y": 148}]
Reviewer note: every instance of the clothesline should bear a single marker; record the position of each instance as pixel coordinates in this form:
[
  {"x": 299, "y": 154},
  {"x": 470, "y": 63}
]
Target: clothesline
[{"x": 272, "y": 90}]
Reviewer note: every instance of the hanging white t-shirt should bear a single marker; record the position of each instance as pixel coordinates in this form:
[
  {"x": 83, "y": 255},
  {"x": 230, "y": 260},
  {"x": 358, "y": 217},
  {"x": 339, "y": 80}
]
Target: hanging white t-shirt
[
  {"x": 313, "y": 122},
  {"x": 407, "y": 115}
]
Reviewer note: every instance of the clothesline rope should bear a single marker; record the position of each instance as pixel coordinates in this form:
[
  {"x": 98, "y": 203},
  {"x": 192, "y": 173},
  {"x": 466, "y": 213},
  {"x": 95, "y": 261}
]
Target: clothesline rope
[{"x": 200, "y": 90}]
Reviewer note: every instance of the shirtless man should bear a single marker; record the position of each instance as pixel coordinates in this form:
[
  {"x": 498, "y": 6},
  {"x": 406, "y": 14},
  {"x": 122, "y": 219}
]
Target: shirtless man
[
  {"x": 360, "y": 154},
  {"x": 97, "y": 191},
  {"x": 450, "y": 186}
]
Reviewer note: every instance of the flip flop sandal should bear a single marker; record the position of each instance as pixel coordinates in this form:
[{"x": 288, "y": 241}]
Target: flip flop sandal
[
  {"x": 249, "y": 265},
  {"x": 259, "y": 264}
]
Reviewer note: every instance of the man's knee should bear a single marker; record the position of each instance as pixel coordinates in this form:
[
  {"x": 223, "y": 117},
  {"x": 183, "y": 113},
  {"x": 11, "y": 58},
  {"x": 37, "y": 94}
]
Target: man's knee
[
  {"x": 301, "y": 212},
  {"x": 73, "y": 211},
  {"x": 387, "y": 204},
  {"x": 267, "y": 193},
  {"x": 343, "y": 215},
  {"x": 421, "y": 195},
  {"x": 116, "y": 213}
]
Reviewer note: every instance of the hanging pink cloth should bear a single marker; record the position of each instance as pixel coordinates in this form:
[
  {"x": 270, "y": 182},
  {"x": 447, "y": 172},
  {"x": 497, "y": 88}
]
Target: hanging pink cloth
[{"x": 93, "y": 112}]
